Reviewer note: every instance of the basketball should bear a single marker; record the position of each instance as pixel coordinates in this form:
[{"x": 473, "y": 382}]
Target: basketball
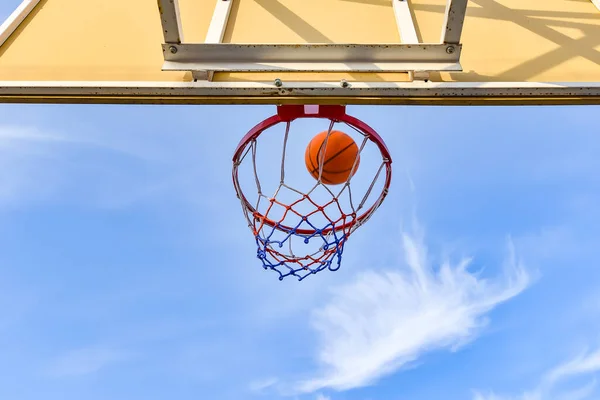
[{"x": 337, "y": 153}]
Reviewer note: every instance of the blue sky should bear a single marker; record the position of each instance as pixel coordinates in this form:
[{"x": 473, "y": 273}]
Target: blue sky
[{"x": 127, "y": 270}]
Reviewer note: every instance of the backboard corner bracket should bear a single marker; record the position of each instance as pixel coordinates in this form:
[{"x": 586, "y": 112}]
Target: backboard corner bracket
[
  {"x": 418, "y": 76},
  {"x": 203, "y": 75}
]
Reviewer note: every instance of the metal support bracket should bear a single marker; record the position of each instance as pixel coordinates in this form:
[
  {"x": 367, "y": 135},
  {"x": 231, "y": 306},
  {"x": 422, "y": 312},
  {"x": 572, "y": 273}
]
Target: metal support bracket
[
  {"x": 406, "y": 26},
  {"x": 216, "y": 32},
  {"x": 418, "y": 76},
  {"x": 311, "y": 57},
  {"x": 171, "y": 22},
  {"x": 203, "y": 59},
  {"x": 456, "y": 11}
]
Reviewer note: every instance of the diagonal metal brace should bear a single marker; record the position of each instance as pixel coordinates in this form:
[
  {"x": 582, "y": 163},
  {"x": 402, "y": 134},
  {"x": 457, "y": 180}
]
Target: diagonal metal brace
[
  {"x": 170, "y": 20},
  {"x": 453, "y": 21}
]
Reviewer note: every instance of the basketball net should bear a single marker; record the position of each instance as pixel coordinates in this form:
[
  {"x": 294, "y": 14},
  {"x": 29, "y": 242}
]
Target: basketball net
[{"x": 300, "y": 233}]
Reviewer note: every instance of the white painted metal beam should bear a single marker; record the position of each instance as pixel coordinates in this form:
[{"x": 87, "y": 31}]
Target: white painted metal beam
[
  {"x": 312, "y": 57},
  {"x": 218, "y": 23},
  {"x": 311, "y": 66},
  {"x": 404, "y": 20},
  {"x": 170, "y": 20},
  {"x": 416, "y": 93},
  {"x": 216, "y": 32},
  {"x": 597, "y": 4},
  {"x": 453, "y": 21},
  {"x": 9, "y": 26}
]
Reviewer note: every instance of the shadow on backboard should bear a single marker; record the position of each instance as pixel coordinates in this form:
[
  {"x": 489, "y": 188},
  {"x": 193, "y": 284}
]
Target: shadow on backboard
[
  {"x": 538, "y": 22},
  {"x": 301, "y": 27}
]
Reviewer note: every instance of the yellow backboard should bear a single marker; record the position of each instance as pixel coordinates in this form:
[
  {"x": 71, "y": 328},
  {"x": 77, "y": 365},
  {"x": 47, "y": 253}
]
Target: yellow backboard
[{"x": 305, "y": 51}]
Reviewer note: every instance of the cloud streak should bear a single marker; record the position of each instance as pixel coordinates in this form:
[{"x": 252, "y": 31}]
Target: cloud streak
[
  {"x": 43, "y": 165},
  {"x": 84, "y": 361},
  {"x": 585, "y": 365},
  {"x": 259, "y": 386},
  {"x": 381, "y": 322}
]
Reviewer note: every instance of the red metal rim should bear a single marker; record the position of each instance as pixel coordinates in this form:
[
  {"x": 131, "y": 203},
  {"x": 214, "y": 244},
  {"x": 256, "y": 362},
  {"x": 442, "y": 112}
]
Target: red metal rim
[{"x": 289, "y": 113}]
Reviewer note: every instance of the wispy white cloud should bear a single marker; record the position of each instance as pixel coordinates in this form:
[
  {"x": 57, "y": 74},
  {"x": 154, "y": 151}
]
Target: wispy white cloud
[
  {"x": 85, "y": 361},
  {"x": 381, "y": 322},
  {"x": 37, "y": 164},
  {"x": 24, "y": 158},
  {"x": 14, "y": 136},
  {"x": 321, "y": 396},
  {"x": 260, "y": 385},
  {"x": 585, "y": 365},
  {"x": 10, "y": 135}
]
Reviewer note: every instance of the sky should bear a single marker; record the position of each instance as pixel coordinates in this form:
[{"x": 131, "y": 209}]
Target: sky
[{"x": 127, "y": 270}]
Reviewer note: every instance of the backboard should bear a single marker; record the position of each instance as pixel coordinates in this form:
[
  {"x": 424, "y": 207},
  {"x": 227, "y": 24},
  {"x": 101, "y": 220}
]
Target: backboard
[{"x": 302, "y": 52}]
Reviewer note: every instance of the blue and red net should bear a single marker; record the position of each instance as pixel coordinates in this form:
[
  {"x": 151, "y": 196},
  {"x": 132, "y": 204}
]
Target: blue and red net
[{"x": 301, "y": 231}]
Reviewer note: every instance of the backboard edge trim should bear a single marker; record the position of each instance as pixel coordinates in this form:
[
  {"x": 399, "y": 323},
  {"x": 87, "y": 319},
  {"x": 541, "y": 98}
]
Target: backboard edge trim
[
  {"x": 421, "y": 93},
  {"x": 17, "y": 17}
]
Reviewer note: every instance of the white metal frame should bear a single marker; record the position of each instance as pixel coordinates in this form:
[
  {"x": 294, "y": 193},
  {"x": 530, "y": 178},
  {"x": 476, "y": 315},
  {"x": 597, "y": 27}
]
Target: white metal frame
[
  {"x": 9, "y": 26},
  {"x": 404, "y": 20},
  {"x": 216, "y": 32},
  {"x": 170, "y": 21},
  {"x": 203, "y": 92},
  {"x": 454, "y": 19},
  {"x": 202, "y": 59},
  {"x": 310, "y": 57},
  {"x": 597, "y": 4},
  {"x": 218, "y": 23}
]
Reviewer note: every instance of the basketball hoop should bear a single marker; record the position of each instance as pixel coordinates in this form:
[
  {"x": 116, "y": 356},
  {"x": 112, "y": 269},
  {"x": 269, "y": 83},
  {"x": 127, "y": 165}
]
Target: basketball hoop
[{"x": 327, "y": 221}]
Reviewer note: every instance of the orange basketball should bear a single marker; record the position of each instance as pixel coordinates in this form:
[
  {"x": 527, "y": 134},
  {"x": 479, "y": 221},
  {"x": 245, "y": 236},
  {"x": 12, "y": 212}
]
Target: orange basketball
[{"x": 337, "y": 154}]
